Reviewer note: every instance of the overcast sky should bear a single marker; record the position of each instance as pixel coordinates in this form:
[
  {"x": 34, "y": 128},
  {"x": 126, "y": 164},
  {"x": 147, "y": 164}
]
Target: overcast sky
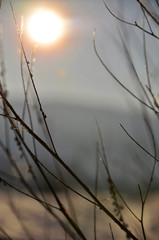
[{"x": 69, "y": 69}]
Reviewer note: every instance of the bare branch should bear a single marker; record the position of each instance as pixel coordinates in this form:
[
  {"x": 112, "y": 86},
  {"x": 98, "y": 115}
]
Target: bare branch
[
  {"x": 135, "y": 24},
  {"x": 115, "y": 78},
  {"x": 138, "y": 144},
  {"x": 148, "y": 12}
]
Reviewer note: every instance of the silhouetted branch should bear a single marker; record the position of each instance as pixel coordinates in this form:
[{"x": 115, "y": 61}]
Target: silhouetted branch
[
  {"x": 135, "y": 24},
  {"x": 148, "y": 12},
  {"x": 115, "y": 78},
  {"x": 138, "y": 144}
]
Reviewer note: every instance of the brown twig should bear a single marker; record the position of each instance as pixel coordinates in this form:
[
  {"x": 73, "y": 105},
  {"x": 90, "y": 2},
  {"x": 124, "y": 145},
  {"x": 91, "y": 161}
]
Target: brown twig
[
  {"x": 101, "y": 206},
  {"x": 31, "y": 77},
  {"x": 116, "y": 79},
  {"x": 138, "y": 144},
  {"x": 135, "y": 24}
]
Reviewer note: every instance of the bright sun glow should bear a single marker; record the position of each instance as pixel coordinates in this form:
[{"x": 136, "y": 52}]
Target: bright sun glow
[{"x": 45, "y": 26}]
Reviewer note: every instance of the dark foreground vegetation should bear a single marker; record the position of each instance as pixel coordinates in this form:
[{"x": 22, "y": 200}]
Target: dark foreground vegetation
[{"x": 20, "y": 129}]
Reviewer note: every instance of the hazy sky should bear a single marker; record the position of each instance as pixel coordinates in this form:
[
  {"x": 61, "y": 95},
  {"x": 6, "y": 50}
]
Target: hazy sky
[{"x": 69, "y": 69}]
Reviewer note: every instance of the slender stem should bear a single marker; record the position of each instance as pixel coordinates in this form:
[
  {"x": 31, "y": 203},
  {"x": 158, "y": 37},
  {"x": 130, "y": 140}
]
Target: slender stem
[
  {"x": 19, "y": 218},
  {"x": 148, "y": 12},
  {"x": 108, "y": 172},
  {"x": 136, "y": 74},
  {"x": 110, "y": 226},
  {"x": 26, "y": 194},
  {"x": 101, "y": 206},
  {"x": 138, "y": 144},
  {"x": 96, "y": 190},
  {"x": 62, "y": 209},
  {"x": 6, "y": 234},
  {"x": 142, "y": 213},
  {"x": 154, "y": 164},
  {"x": 31, "y": 77},
  {"x": 157, "y": 2},
  {"x": 116, "y": 79},
  {"x": 135, "y": 24}
]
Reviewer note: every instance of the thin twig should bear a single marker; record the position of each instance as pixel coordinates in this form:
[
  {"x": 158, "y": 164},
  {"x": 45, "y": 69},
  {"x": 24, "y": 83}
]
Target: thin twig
[
  {"x": 29, "y": 187},
  {"x": 148, "y": 12},
  {"x": 142, "y": 212},
  {"x": 96, "y": 190},
  {"x": 101, "y": 206},
  {"x": 115, "y": 16},
  {"x": 108, "y": 172},
  {"x": 110, "y": 226},
  {"x": 115, "y": 78},
  {"x": 155, "y": 162},
  {"x": 146, "y": 20},
  {"x": 136, "y": 74},
  {"x": 143, "y": 199},
  {"x": 7, "y": 116},
  {"x": 135, "y": 24},
  {"x": 27, "y": 195},
  {"x": 146, "y": 61},
  {"x": 157, "y": 2},
  {"x": 31, "y": 77},
  {"x": 6, "y": 234},
  {"x": 19, "y": 218},
  {"x": 138, "y": 144},
  {"x": 29, "y": 114}
]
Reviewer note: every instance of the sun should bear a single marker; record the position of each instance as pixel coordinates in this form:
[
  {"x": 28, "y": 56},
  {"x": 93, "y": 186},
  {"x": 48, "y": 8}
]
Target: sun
[{"x": 45, "y": 26}]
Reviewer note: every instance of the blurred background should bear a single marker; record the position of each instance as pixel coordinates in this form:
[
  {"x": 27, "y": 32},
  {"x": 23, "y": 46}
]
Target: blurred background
[{"x": 76, "y": 90}]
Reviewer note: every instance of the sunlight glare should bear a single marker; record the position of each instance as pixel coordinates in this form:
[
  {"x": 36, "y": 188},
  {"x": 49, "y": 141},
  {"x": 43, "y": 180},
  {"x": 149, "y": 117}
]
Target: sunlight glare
[{"x": 45, "y": 26}]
